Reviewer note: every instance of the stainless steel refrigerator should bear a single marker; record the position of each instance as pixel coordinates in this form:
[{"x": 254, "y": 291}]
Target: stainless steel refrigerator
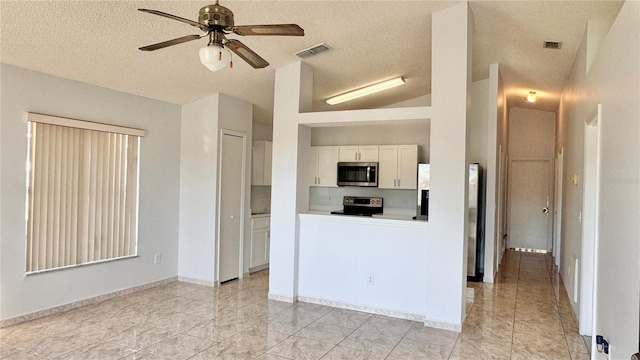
[{"x": 475, "y": 251}]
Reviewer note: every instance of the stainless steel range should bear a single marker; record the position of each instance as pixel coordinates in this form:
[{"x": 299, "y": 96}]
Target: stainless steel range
[{"x": 361, "y": 206}]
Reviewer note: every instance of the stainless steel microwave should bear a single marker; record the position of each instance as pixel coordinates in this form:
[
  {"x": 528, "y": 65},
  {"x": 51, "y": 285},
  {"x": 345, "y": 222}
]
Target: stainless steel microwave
[{"x": 358, "y": 174}]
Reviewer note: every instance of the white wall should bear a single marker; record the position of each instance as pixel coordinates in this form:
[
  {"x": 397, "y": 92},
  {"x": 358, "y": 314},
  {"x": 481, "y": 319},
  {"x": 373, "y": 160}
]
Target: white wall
[
  {"x": 495, "y": 104},
  {"x": 262, "y": 131},
  {"x": 337, "y": 254},
  {"x": 532, "y": 133},
  {"x": 478, "y": 123},
  {"x": 613, "y": 81},
  {"x": 452, "y": 36},
  {"x": 23, "y": 91},
  {"x": 202, "y": 121},
  {"x": 198, "y": 196},
  {"x": 424, "y": 100}
]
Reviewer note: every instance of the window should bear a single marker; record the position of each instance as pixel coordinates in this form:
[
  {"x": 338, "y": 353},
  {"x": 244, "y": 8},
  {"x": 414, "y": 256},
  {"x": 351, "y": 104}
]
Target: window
[{"x": 82, "y": 192}]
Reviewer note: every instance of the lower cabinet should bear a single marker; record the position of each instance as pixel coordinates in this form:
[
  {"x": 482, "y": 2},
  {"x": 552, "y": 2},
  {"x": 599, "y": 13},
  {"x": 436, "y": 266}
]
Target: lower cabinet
[{"x": 260, "y": 233}]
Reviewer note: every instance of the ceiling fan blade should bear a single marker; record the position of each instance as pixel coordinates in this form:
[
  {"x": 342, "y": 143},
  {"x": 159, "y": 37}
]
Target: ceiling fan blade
[
  {"x": 186, "y": 21},
  {"x": 279, "y": 29},
  {"x": 246, "y": 54},
  {"x": 164, "y": 44}
]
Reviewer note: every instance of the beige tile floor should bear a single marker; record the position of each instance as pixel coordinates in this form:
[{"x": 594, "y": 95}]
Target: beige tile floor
[{"x": 524, "y": 315}]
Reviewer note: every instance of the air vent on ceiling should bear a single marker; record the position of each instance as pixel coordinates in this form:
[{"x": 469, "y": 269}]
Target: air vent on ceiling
[
  {"x": 552, "y": 44},
  {"x": 312, "y": 50}
]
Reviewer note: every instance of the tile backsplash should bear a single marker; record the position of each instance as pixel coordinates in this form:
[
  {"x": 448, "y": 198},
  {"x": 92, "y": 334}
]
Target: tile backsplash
[
  {"x": 260, "y": 199},
  {"x": 398, "y": 199}
]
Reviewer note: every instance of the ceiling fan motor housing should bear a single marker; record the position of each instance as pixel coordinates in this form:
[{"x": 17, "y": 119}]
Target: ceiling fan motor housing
[{"x": 216, "y": 15}]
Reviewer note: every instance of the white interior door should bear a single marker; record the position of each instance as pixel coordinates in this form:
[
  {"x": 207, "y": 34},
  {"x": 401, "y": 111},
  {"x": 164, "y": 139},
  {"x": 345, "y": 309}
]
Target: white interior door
[
  {"x": 499, "y": 249},
  {"x": 529, "y": 204},
  {"x": 230, "y": 207}
]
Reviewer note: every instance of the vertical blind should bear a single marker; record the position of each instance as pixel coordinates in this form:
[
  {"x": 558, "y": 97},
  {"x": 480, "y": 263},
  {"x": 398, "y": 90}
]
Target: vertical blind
[{"x": 82, "y": 192}]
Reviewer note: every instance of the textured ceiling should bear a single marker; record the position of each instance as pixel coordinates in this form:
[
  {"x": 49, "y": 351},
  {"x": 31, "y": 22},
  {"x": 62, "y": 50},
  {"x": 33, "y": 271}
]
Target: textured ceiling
[{"x": 97, "y": 42}]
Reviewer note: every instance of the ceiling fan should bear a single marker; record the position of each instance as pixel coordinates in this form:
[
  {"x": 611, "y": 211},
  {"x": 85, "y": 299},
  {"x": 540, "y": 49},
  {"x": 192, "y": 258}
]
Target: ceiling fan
[{"x": 217, "y": 21}]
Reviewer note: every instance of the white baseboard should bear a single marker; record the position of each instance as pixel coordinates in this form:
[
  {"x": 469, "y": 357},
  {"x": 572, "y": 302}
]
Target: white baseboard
[
  {"x": 443, "y": 325},
  {"x": 77, "y": 304},
  {"x": 363, "y": 308},
  {"x": 284, "y": 298}
]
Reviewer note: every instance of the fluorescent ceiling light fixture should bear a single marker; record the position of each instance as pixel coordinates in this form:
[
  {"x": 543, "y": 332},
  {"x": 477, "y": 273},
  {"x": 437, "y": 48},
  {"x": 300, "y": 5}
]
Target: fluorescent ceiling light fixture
[
  {"x": 367, "y": 90},
  {"x": 531, "y": 97}
]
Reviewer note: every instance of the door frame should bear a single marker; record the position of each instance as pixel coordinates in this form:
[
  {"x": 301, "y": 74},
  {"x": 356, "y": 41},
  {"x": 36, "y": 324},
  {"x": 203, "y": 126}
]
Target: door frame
[
  {"x": 510, "y": 197},
  {"x": 557, "y": 223},
  {"x": 224, "y": 132},
  {"x": 499, "y": 249},
  {"x": 590, "y": 215}
]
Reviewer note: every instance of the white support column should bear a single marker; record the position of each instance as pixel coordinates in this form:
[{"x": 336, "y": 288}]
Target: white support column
[
  {"x": 293, "y": 90},
  {"x": 448, "y": 222}
]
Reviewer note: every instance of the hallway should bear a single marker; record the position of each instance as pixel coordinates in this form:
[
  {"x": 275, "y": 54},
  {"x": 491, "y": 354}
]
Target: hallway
[{"x": 524, "y": 315}]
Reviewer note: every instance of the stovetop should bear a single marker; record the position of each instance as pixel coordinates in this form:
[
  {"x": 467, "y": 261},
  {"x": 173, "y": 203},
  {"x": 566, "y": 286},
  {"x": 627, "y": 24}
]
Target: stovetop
[
  {"x": 360, "y": 206},
  {"x": 342, "y": 212}
]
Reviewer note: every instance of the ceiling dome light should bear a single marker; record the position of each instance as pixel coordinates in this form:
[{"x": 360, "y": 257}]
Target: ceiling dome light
[
  {"x": 214, "y": 57},
  {"x": 531, "y": 97}
]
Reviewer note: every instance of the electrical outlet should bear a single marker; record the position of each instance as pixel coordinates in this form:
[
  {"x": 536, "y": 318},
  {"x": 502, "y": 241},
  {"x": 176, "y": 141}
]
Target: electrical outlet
[
  {"x": 157, "y": 258},
  {"x": 405, "y": 202},
  {"x": 370, "y": 279}
]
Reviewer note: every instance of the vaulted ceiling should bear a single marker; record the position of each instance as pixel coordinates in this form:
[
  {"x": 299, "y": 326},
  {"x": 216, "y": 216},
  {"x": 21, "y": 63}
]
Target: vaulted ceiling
[{"x": 96, "y": 42}]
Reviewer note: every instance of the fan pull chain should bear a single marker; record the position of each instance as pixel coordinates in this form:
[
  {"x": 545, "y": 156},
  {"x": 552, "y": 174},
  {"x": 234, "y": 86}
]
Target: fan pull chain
[
  {"x": 220, "y": 55},
  {"x": 230, "y": 61}
]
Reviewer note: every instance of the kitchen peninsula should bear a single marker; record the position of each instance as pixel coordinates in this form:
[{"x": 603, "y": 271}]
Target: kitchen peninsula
[
  {"x": 416, "y": 269},
  {"x": 363, "y": 263}
]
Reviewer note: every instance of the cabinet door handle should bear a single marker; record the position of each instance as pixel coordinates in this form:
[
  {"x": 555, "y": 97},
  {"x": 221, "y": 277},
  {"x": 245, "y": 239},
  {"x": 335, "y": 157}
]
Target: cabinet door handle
[
  {"x": 398, "y": 182},
  {"x": 394, "y": 183}
]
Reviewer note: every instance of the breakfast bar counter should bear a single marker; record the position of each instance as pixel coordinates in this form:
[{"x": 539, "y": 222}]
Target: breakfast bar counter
[{"x": 364, "y": 263}]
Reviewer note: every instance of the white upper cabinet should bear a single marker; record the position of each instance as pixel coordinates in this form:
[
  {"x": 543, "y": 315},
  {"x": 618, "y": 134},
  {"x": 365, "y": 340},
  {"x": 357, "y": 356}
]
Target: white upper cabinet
[
  {"x": 368, "y": 153},
  {"x": 398, "y": 166},
  {"x": 324, "y": 164},
  {"x": 261, "y": 152},
  {"x": 365, "y": 153}
]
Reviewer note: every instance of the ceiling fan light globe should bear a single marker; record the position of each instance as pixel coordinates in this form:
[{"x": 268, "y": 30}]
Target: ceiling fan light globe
[{"x": 210, "y": 57}]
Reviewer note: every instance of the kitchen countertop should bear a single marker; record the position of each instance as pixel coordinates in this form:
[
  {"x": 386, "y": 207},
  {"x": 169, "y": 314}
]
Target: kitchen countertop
[
  {"x": 389, "y": 213},
  {"x": 390, "y": 219}
]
